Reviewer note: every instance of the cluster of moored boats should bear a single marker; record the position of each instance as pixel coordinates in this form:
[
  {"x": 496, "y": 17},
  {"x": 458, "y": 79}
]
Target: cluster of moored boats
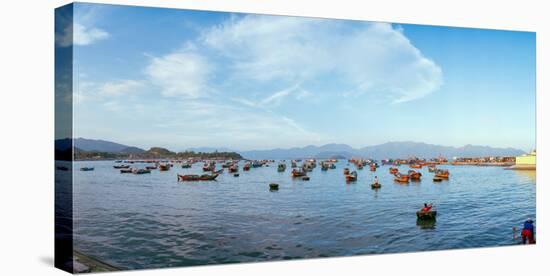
[
  {"x": 298, "y": 171},
  {"x": 413, "y": 175}
]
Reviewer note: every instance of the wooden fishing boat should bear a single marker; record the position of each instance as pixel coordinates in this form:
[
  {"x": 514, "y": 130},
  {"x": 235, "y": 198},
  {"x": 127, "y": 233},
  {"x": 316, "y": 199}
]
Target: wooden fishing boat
[
  {"x": 233, "y": 169},
  {"x": 208, "y": 167},
  {"x": 351, "y": 177},
  {"x": 401, "y": 178},
  {"x": 442, "y": 174},
  {"x": 437, "y": 179},
  {"x": 298, "y": 173},
  {"x": 346, "y": 171},
  {"x": 281, "y": 167},
  {"x": 360, "y": 166},
  {"x": 86, "y": 169},
  {"x": 121, "y": 166},
  {"x": 305, "y": 178},
  {"x": 126, "y": 171},
  {"x": 236, "y": 175},
  {"x": 415, "y": 166},
  {"x": 196, "y": 177},
  {"x": 376, "y": 185},
  {"x": 414, "y": 175},
  {"x": 431, "y": 169},
  {"x": 246, "y": 167},
  {"x": 273, "y": 186},
  {"x": 164, "y": 167},
  {"x": 186, "y": 165},
  {"x": 140, "y": 171},
  {"x": 430, "y": 215},
  {"x": 394, "y": 170}
]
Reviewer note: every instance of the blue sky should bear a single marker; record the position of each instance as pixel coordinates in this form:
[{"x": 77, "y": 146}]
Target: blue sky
[{"x": 180, "y": 79}]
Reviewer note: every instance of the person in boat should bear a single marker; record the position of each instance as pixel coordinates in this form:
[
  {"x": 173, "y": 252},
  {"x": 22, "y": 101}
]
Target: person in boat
[
  {"x": 376, "y": 180},
  {"x": 427, "y": 207},
  {"x": 528, "y": 232}
]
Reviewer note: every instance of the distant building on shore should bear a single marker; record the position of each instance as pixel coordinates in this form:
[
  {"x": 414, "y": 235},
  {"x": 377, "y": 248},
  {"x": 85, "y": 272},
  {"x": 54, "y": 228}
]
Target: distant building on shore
[{"x": 527, "y": 161}]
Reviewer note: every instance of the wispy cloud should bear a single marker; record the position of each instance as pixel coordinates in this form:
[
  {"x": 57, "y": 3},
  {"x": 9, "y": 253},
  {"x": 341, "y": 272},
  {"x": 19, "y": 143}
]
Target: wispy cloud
[
  {"x": 370, "y": 57},
  {"x": 182, "y": 73},
  {"x": 83, "y": 35},
  {"x": 82, "y": 30}
]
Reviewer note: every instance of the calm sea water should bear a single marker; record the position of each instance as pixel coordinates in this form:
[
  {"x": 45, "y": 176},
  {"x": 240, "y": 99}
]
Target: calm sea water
[{"x": 149, "y": 221}]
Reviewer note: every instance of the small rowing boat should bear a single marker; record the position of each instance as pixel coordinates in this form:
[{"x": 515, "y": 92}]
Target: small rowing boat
[{"x": 196, "y": 177}]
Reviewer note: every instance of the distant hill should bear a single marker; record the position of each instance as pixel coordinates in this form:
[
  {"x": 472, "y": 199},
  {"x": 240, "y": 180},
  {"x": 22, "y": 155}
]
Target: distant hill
[
  {"x": 104, "y": 146},
  {"x": 382, "y": 151}
]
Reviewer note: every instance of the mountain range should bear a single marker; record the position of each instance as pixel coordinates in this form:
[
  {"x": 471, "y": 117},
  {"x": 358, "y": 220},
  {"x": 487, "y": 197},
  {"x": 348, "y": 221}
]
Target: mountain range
[
  {"x": 382, "y": 151},
  {"x": 402, "y": 149}
]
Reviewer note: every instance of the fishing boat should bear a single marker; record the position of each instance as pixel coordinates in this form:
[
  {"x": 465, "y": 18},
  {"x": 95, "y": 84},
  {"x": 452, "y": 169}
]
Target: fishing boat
[
  {"x": 346, "y": 171},
  {"x": 273, "y": 186},
  {"x": 298, "y": 173},
  {"x": 281, "y": 167},
  {"x": 140, "y": 171},
  {"x": 164, "y": 167},
  {"x": 233, "y": 168},
  {"x": 415, "y": 166},
  {"x": 437, "y": 179},
  {"x": 359, "y": 166},
  {"x": 293, "y": 164},
  {"x": 372, "y": 168},
  {"x": 208, "y": 167},
  {"x": 394, "y": 170},
  {"x": 432, "y": 168},
  {"x": 401, "y": 178},
  {"x": 442, "y": 174},
  {"x": 376, "y": 185},
  {"x": 196, "y": 177},
  {"x": 246, "y": 167},
  {"x": 151, "y": 167},
  {"x": 121, "y": 166},
  {"x": 305, "y": 178},
  {"x": 414, "y": 175},
  {"x": 126, "y": 171},
  {"x": 86, "y": 169},
  {"x": 422, "y": 215},
  {"x": 351, "y": 176},
  {"x": 186, "y": 165}
]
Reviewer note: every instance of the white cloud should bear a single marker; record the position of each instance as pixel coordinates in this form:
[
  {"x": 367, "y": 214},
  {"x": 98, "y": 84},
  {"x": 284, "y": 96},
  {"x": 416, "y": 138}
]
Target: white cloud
[
  {"x": 370, "y": 57},
  {"x": 83, "y": 35},
  {"x": 120, "y": 88},
  {"x": 182, "y": 73},
  {"x": 78, "y": 34},
  {"x": 109, "y": 91}
]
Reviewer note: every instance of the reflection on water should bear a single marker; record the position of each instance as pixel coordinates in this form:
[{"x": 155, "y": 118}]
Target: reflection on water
[
  {"x": 531, "y": 174},
  {"x": 148, "y": 221}
]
